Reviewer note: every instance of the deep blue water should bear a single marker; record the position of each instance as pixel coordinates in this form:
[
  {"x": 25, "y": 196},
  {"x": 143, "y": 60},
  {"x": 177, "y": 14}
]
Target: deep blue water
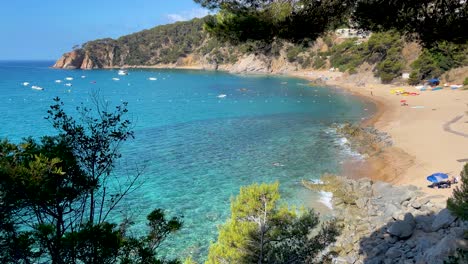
[{"x": 195, "y": 150}]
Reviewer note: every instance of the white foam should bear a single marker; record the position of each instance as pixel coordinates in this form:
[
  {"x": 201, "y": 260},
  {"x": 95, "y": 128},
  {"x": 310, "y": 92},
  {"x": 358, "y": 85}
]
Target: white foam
[
  {"x": 316, "y": 181},
  {"x": 326, "y": 199}
]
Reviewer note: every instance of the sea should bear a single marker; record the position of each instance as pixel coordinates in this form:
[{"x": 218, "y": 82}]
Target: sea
[{"x": 199, "y": 136}]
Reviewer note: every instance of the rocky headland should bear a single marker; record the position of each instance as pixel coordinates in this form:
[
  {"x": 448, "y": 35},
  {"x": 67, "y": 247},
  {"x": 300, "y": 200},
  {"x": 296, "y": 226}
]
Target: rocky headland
[{"x": 383, "y": 223}]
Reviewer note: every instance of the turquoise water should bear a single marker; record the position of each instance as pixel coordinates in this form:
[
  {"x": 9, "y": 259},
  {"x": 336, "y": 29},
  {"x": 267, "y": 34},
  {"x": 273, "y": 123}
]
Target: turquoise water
[{"x": 194, "y": 149}]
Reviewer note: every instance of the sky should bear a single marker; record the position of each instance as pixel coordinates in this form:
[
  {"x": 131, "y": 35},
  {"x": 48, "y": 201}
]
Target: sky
[{"x": 45, "y": 29}]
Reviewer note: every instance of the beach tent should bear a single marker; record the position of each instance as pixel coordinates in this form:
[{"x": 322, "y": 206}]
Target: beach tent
[
  {"x": 437, "y": 177},
  {"x": 434, "y": 81}
]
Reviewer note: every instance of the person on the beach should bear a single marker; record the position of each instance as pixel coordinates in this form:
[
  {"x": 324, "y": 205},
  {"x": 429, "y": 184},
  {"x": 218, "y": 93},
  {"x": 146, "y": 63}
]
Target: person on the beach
[{"x": 453, "y": 180}]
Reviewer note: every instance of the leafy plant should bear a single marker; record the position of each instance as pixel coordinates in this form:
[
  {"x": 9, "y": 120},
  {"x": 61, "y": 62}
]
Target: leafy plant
[{"x": 261, "y": 231}]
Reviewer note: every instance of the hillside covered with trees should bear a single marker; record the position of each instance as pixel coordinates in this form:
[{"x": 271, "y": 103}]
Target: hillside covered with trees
[{"x": 189, "y": 44}]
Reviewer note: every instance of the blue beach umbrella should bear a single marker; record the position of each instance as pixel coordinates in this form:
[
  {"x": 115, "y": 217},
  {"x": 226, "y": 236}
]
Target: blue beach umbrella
[{"x": 437, "y": 177}]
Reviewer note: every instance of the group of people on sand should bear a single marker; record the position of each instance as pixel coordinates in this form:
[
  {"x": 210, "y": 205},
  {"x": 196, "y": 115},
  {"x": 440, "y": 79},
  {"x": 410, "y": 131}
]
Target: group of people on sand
[{"x": 445, "y": 184}]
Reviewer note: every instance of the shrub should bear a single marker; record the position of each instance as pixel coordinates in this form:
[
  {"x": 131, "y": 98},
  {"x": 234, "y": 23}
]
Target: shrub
[{"x": 293, "y": 52}]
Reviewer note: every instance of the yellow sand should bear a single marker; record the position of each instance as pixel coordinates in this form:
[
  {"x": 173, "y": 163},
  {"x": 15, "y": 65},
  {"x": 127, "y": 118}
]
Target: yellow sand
[{"x": 423, "y": 146}]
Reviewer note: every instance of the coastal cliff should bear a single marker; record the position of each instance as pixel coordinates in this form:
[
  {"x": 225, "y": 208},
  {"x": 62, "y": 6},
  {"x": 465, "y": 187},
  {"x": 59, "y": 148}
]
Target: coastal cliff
[{"x": 386, "y": 55}]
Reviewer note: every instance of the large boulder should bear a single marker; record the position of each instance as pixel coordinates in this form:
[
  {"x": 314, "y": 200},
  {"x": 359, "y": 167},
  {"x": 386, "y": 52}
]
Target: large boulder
[
  {"x": 442, "y": 220},
  {"x": 403, "y": 229},
  {"x": 382, "y": 189},
  {"x": 393, "y": 253},
  {"x": 446, "y": 247}
]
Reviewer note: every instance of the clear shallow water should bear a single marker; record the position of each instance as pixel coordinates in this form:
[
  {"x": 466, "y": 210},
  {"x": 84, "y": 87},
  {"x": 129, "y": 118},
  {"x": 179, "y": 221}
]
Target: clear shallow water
[{"x": 196, "y": 149}]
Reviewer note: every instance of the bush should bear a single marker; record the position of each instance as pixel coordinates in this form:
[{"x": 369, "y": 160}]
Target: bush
[
  {"x": 458, "y": 203},
  {"x": 293, "y": 52},
  {"x": 439, "y": 58},
  {"x": 414, "y": 78},
  {"x": 465, "y": 82},
  {"x": 319, "y": 62},
  {"x": 352, "y": 70}
]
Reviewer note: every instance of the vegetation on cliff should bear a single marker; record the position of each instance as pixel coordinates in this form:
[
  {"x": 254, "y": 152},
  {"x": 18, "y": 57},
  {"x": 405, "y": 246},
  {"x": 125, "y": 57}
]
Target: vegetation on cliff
[{"x": 299, "y": 34}]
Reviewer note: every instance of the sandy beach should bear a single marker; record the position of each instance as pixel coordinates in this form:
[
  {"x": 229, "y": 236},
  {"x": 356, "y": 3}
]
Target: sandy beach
[{"x": 430, "y": 134}]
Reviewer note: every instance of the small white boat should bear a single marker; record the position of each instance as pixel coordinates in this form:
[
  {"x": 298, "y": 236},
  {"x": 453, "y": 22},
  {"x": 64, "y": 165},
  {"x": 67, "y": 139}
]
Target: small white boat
[
  {"x": 69, "y": 79},
  {"x": 222, "y": 96},
  {"x": 82, "y": 76},
  {"x": 58, "y": 81},
  {"x": 25, "y": 83},
  {"x": 122, "y": 72},
  {"x": 116, "y": 79},
  {"x": 37, "y": 88},
  {"x": 152, "y": 78},
  {"x": 68, "y": 84}
]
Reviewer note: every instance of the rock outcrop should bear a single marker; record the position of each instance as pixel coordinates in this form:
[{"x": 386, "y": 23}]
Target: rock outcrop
[
  {"x": 383, "y": 223},
  {"x": 71, "y": 60}
]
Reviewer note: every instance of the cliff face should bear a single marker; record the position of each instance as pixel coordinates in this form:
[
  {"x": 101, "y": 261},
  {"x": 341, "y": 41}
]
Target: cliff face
[
  {"x": 71, "y": 60},
  {"x": 182, "y": 44}
]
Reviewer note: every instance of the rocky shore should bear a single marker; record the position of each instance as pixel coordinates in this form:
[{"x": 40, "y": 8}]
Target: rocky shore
[{"x": 383, "y": 223}]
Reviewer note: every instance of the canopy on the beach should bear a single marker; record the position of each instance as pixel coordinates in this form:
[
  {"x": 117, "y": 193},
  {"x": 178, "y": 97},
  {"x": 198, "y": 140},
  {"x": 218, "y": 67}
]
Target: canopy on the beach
[
  {"x": 397, "y": 91},
  {"x": 434, "y": 81},
  {"x": 437, "y": 177}
]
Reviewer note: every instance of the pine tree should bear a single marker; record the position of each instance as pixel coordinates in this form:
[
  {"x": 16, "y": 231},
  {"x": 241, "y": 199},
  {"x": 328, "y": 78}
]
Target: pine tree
[
  {"x": 261, "y": 231},
  {"x": 458, "y": 203}
]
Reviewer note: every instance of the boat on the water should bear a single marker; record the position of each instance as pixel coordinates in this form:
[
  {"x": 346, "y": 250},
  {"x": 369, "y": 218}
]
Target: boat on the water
[
  {"x": 221, "y": 96},
  {"x": 58, "y": 81},
  {"x": 69, "y": 79},
  {"x": 37, "y": 88},
  {"x": 116, "y": 79},
  {"x": 25, "y": 83},
  {"x": 122, "y": 72},
  {"x": 152, "y": 78},
  {"x": 68, "y": 84}
]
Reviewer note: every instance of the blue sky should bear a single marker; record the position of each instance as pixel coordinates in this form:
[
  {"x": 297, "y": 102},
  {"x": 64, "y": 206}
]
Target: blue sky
[{"x": 45, "y": 29}]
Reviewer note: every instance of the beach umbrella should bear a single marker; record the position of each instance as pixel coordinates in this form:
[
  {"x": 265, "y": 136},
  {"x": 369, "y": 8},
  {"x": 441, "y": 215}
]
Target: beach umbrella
[
  {"x": 437, "y": 177},
  {"x": 402, "y": 101}
]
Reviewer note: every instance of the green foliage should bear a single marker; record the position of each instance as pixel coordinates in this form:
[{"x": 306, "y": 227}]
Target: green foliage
[
  {"x": 460, "y": 257},
  {"x": 384, "y": 49},
  {"x": 439, "y": 58},
  {"x": 161, "y": 44},
  {"x": 429, "y": 21},
  {"x": 458, "y": 203},
  {"x": 261, "y": 231},
  {"x": 319, "y": 62},
  {"x": 55, "y": 197},
  {"x": 239, "y": 21},
  {"x": 465, "y": 82},
  {"x": 414, "y": 78},
  {"x": 292, "y": 53}
]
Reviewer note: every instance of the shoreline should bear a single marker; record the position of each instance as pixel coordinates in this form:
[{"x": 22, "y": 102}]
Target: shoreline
[
  {"x": 418, "y": 133},
  {"x": 417, "y": 151}
]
